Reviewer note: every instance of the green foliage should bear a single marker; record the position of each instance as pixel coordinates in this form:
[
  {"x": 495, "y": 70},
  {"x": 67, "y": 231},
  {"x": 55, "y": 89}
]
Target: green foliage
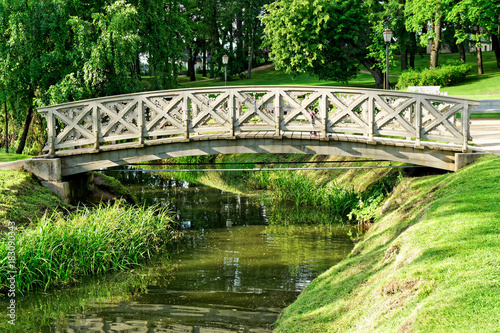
[
  {"x": 325, "y": 38},
  {"x": 105, "y": 44},
  {"x": 90, "y": 241},
  {"x": 446, "y": 75},
  {"x": 420, "y": 12}
]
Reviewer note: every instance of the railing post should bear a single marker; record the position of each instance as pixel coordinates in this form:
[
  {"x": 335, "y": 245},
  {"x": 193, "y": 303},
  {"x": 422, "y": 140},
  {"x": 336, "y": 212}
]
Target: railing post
[
  {"x": 418, "y": 121},
  {"x": 96, "y": 119},
  {"x": 231, "y": 110},
  {"x": 185, "y": 110},
  {"x": 371, "y": 118},
  {"x": 323, "y": 114},
  {"x": 51, "y": 132},
  {"x": 465, "y": 126},
  {"x": 140, "y": 120},
  {"x": 278, "y": 102}
]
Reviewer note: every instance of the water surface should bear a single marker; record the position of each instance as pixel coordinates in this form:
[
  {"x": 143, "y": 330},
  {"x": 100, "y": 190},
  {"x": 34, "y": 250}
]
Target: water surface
[{"x": 234, "y": 272}]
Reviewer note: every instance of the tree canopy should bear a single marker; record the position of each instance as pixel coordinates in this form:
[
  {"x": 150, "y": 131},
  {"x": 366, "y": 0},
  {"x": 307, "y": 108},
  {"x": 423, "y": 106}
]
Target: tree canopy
[
  {"x": 55, "y": 51},
  {"x": 328, "y": 38}
]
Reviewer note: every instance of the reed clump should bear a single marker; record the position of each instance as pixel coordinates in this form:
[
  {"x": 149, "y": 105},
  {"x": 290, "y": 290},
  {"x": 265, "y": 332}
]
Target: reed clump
[{"x": 107, "y": 238}]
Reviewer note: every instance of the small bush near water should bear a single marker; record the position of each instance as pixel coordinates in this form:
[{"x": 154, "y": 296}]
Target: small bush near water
[
  {"x": 90, "y": 241},
  {"x": 449, "y": 74}
]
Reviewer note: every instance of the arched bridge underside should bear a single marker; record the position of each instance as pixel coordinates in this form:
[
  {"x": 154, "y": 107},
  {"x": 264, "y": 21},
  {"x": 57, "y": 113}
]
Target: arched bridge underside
[{"x": 421, "y": 129}]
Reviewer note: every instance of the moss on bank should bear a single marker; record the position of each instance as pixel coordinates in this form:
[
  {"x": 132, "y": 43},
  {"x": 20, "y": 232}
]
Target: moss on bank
[{"x": 429, "y": 264}]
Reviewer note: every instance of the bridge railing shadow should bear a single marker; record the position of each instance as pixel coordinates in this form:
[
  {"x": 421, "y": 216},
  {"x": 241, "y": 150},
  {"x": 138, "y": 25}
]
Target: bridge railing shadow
[{"x": 180, "y": 114}]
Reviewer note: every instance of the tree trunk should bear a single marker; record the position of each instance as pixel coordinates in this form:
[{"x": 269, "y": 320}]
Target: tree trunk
[
  {"x": 461, "y": 51},
  {"x": 138, "y": 67},
  {"x": 413, "y": 50},
  {"x": 204, "y": 70},
  {"x": 436, "y": 26},
  {"x": 240, "y": 52},
  {"x": 191, "y": 71},
  {"x": 496, "y": 47},
  {"x": 480, "y": 70},
  {"x": 404, "y": 60},
  {"x": 376, "y": 72},
  {"x": 27, "y": 122}
]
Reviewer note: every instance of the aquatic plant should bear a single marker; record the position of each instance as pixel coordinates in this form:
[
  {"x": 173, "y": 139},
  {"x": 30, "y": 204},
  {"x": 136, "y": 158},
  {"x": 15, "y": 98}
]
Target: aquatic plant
[{"x": 89, "y": 241}]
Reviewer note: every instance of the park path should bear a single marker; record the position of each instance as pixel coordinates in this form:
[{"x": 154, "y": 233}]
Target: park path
[{"x": 485, "y": 134}]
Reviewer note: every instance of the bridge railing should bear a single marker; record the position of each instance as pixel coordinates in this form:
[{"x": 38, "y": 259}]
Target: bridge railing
[{"x": 149, "y": 116}]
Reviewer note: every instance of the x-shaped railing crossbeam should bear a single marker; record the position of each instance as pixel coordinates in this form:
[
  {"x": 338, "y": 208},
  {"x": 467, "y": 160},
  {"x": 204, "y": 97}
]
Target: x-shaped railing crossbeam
[
  {"x": 347, "y": 109},
  {"x": 118, "y": 118},
  {"x": 162, "y": 114},
  {"x": 255, "y": 107},
  {"x": 395, "y": 113},
  {"x": 300, "y": 108},
  {"x": 73, "y": 124},
  {"x": 208, "y": 109},
  {"x": 442, "y": 118}
]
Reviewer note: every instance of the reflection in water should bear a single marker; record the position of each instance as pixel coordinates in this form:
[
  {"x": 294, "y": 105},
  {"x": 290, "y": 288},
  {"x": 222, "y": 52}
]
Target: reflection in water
[{"x": 233, "y": 273}]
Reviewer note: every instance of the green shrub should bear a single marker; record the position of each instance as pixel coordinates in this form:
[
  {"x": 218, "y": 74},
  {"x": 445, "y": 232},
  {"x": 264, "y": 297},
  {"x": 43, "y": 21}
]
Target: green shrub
[{"x": 449, "y": 74}]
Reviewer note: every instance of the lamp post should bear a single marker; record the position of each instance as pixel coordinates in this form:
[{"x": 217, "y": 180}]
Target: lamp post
[
  {"x": 225, "y": 59},
  {"x": 387, "y": 40}
]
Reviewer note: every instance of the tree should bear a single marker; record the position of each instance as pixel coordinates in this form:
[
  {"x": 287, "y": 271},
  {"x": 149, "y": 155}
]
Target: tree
[
  {"x": 161, "y": 26},
  {"x": 32, "y": 53},
  {"x": 105, "y": 46},
  {"x": 481, "y": 19},
  {"x": 55, "y": 51},
  {"x": 329, "y": 39},
  {"x": 421, "y": 14}
]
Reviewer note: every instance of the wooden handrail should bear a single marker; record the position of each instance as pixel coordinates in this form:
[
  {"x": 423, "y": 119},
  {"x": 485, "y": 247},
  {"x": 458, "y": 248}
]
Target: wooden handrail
[{"x": 145, "y": 116}]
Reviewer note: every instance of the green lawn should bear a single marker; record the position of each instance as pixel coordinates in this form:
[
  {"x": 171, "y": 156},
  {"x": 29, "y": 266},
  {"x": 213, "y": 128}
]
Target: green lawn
[
  {"x": 273, "y": 77},
  {"x": 10, "y": 157},
  {"x": 486, "y": 86}
]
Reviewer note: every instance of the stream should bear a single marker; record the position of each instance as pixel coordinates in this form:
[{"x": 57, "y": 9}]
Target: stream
[{"x": 235, "y": 270}]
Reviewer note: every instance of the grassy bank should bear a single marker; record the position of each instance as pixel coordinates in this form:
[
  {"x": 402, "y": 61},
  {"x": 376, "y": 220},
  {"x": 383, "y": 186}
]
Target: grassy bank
[
  {"x": 61, "y": 249},
  {"x": 430, "y": 263},
  {"x": 56, "y": 244},
  {"x": 23, "y": 200},
  {"x": 10, "y": 157}
]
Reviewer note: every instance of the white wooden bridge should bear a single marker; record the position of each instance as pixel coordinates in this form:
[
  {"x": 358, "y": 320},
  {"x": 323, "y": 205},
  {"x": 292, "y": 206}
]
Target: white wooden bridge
[{"x": 429, "y": 130}]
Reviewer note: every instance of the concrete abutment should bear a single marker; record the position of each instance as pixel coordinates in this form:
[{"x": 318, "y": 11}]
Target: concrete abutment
[{"x": 69, "y": 188}]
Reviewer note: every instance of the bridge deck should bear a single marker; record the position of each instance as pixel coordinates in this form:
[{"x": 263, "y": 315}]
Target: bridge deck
[{"x": 272, "y": 135}]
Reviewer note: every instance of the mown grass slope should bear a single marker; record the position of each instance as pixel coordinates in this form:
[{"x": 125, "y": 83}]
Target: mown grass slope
[
  {"x": 429, "y": 264},
  {"x": 23, "y": 200}
]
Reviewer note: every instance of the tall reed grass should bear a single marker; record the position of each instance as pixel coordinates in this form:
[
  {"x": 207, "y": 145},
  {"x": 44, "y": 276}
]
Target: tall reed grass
[
  {"x": 303, "y": 191},
  {"x": 89, "y": 241}
]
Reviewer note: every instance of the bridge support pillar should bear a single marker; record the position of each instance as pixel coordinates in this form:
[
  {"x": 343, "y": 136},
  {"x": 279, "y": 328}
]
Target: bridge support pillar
[
  {"x": 74, "y": 188},
  {"x": 463, "y": 159},
  {"x": 45, "y": 168}
]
